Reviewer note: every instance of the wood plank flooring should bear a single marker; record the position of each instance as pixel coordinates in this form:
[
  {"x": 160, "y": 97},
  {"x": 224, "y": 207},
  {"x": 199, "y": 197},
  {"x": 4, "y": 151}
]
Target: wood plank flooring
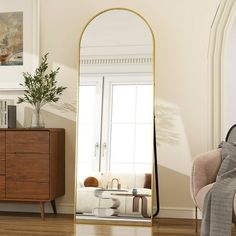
[
  {"x": 162, "y": 227},
  {"x": 15, "y": 224}
]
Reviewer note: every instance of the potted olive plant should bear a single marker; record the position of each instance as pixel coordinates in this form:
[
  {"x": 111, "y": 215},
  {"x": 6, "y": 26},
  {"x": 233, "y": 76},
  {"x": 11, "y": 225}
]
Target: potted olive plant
[{"x": 40, "y": 89}]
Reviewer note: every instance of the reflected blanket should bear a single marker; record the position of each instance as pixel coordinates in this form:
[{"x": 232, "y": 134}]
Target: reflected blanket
[{"x": 218, "y": 203}]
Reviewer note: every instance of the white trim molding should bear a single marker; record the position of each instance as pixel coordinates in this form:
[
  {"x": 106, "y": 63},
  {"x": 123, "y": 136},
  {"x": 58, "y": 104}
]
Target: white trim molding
[
  {"x": 217, "y": 45},
  {"x": 178, "y": 212},
  {"x": 63, "y": 208},
  {"x": 116, "y": 60},
  {"x": 107, "y": 64}
]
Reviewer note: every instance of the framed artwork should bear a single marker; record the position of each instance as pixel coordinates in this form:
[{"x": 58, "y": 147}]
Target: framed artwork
[{"x": 19, "y": 41}]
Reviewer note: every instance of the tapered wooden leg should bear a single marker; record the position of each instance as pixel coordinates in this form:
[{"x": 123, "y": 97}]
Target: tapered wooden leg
[
  {"x": 42, "y": 210},
  {"x": 144, "y": 207},
  {"x": 196, "y": 220},
  {"x": 136, "y": 203},
  {"x": 53, "y": 203}
]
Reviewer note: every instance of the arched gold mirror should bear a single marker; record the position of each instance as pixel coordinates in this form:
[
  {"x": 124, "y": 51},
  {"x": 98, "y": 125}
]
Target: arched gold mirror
[{"x": 115, "y": 120}]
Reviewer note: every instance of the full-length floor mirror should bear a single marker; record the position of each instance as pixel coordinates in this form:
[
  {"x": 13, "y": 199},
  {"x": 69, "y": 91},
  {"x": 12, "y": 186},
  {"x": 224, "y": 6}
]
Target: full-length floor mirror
[{"x": 115, "y": 120}]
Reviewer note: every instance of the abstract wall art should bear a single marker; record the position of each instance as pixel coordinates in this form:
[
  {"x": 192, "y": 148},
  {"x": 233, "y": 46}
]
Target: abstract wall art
[
  {"x": 11, "y": 38},
  {"x": 19, "y": 41}
]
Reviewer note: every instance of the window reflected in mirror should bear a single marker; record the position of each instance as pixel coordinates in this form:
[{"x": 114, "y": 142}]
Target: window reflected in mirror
[{"x": 115, "y": 120}]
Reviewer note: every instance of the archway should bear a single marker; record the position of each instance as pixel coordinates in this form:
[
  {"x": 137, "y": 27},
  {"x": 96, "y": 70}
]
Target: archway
[{"x": 219, "y": 38}]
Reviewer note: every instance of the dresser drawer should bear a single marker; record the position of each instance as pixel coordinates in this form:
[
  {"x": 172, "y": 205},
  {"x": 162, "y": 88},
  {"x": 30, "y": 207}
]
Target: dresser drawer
[
  {"x": 27, "y": 190},
  {"x": 2, "y": 142},
  {"x": 2, "y": 167},
  {"x": 2, "y": 187},
  {"x": 27, "y": 141},
  {"x": 30, "y": 167}
]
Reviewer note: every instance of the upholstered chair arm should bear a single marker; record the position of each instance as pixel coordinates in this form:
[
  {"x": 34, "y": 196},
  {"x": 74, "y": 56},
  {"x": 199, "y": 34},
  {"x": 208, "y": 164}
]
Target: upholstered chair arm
[{"x": 204, "y": 170}]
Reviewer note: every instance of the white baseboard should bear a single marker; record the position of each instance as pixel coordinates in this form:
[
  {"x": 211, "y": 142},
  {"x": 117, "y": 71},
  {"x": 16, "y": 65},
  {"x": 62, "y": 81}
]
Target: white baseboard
[
  {"x": 177, "y": 212},
  {"x": 68, "y": 208},
  {"x": 63, "y": 208}
]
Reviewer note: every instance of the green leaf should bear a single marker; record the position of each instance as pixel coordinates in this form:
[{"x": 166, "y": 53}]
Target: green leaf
[{"x": 42, "y": 86}]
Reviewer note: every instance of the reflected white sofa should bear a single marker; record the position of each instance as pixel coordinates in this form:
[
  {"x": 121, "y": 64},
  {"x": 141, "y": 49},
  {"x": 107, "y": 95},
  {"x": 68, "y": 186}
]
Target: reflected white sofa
[{"x": 87, "y": 201}]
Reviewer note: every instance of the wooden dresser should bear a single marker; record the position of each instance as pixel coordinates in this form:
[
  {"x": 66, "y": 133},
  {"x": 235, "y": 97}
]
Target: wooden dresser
[{"x": 32, "y": 165}]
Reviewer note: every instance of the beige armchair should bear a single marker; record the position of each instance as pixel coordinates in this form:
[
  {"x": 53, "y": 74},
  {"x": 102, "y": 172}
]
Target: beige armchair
[{"x": 204, "y": 171}]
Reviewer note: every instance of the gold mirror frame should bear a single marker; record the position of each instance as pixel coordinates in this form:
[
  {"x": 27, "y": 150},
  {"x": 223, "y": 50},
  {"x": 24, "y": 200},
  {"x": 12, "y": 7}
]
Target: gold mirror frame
[{"x": 77, "y": 118}]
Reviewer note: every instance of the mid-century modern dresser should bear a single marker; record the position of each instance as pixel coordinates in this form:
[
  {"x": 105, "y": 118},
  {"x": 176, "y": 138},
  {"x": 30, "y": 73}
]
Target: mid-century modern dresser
[{"x": 32, "y": 165}]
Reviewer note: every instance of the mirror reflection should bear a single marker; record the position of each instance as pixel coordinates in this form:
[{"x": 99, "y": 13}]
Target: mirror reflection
[{"x": 115, "y": 124}]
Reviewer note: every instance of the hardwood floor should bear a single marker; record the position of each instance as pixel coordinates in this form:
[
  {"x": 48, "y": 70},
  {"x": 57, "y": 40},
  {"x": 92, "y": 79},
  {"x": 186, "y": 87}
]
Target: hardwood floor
[
  {"x": 25, "y": 224},
  {"x": 162, "y": 228},
  {"x": 15, "y": 224}
]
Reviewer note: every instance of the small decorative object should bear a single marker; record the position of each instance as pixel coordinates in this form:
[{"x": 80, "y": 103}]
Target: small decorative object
[
  {"x": 91, "y": 182},
  {"x": 4, "y": 113},
  {"x": 148, "y": 181},
  {"x": 11, "y": 116},
  {"x": 40, "y": 89},
  {"x": 134, "y": 191}
]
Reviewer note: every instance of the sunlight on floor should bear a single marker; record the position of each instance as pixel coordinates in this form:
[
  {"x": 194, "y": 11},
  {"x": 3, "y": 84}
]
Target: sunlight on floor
[{"x": 100, "y": 230}]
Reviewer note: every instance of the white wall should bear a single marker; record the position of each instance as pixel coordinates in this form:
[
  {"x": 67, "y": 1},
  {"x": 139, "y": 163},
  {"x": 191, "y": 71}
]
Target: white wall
[{"x": 181, "y": 29}]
